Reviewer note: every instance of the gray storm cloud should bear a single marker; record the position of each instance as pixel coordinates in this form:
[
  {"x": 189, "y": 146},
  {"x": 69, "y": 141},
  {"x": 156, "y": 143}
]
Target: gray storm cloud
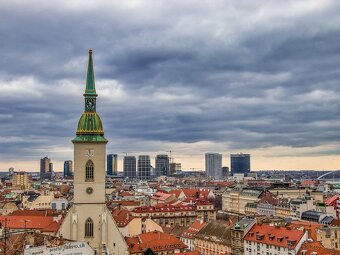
[{"x": 250, "y": 75}]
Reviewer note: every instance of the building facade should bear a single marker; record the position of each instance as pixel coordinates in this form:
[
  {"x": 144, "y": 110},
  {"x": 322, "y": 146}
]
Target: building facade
[
  {"x": 213, "y": 239},
  {"x": 265, "y": 239},
  {"x": 68, "y": 168},
  {"x": 162, "y": 165},
  {"x": 144, "y": 167},
  {"x": 129, "y": 167},
  {"x": 175, "y": 167},
  {"x": 112, "y": 164},
  {"x": 213, "y": 165},
  {"x": 89, "y": 219},
  {"x": 329, "y": 237},
  {"x": 45, "y": 168},
  {"x": 167, "y": 215},
  {"x": 20, "y": 180},
  {"x": 240, "y": 163},
  {"x": 238, "y": 231}
]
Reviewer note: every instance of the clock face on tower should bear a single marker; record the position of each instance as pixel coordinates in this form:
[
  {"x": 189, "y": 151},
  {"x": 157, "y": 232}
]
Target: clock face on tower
[{"x": 90, "y": 104}]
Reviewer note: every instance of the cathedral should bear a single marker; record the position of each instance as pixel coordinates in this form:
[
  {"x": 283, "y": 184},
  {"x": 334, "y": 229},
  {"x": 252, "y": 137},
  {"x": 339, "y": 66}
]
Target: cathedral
[{"x": 89, "y": 219}]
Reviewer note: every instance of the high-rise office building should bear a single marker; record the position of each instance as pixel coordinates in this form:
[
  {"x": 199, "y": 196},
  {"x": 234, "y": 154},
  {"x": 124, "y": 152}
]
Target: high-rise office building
[
  {"x": 240, "y": 163},
  {"x": 112, "y": 163},
  {"x": 129, "y": 167},
  {"x": 162, "y": 165},
  {"x": 68, "y": 168},
  {"x": 144, "y": 167},
  {"x": 213, "y": 165},
  {"x": 45, "y": 164}
]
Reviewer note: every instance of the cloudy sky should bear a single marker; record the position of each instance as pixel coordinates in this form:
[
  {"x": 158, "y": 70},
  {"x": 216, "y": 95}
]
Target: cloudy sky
[{"x": 259, "y": 77}]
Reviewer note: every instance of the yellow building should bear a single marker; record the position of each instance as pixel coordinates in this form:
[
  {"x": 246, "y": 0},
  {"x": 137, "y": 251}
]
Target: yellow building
[
  {"x": 20, "y": 180},
  {"x": 213, "y": 239},
  {"x": 329, "y": 237},
  {"x": 236, "y": 200}
]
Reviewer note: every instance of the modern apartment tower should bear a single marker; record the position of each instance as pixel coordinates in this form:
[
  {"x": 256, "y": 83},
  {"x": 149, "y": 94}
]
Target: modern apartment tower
[
  {"x": 112, "y": 163},
  {"x": 45, "y": 171},
  {"x": 240, "y": 163},
  {"x": 162, "y": 165},
  {"x": 144, "y": 167},
  {"x": 213, "y": 165},
  {"x": 68, "y": 168},
  {"x": 129, "y": 167}
]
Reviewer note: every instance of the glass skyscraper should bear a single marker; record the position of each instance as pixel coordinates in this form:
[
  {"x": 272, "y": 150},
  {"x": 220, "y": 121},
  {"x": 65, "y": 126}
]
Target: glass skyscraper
[
  {"x": 129, "y": 167},
  {"x": 162, "y": 165},
  {"x": 240, "y": 163},
  {"x": 144, "y": 167},
  {"x": 112, "y": 164}
]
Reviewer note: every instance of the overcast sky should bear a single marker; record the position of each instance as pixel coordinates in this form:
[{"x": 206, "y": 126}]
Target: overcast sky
[{"x": 259, "y": 77}]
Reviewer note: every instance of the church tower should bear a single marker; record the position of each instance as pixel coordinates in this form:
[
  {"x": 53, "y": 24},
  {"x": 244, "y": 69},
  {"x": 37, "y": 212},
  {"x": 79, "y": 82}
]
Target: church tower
[{"x": 89, "y": 219}]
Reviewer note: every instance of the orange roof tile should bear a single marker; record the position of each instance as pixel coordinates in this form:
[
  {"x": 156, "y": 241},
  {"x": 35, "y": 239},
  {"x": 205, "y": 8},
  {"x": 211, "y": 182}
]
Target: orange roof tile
[
  {"x": 310, "y": 227},
  {"x": 277, "y": 236},
  {"x": 43, "y": 223},
  {"x": 163, "y": 208},
  {"x": 331, "y": 200},
  {"x": 175, "y": 192},
  {"x": 122, "y": 217},
  {"x": 309, "y": 248},
  {"x": 157, "y": 241},
  {"x": 193, "y": 229}
]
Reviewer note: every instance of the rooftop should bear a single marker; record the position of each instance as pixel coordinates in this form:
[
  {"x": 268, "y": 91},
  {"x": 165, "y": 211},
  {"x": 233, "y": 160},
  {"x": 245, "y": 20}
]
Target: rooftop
[{"x": 277, "y": 236}]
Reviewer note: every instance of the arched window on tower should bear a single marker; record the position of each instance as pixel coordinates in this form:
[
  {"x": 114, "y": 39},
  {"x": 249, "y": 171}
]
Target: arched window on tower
[
  {"x": 89, "y": 171},
  {"x": 89, "y": 227}
]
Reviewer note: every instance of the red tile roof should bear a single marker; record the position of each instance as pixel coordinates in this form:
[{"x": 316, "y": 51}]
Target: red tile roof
[
  {"x": 156, "y": 241},
  {"x": 46, "y": 212},
  {"x": 277, "y": 236},
  {"x": 122, "y": 217},
  {"x": 161, "y": 196},
  {"x": 42, "y": 223},
  {"x": 335, "y": 222},
  {"x": 163, "y": 208},
  {"x": 196, "y": 192},
  {"x": 310, "y": 227},
  {"x": 193, "y": 229},
  {"x": 332, "y": 200},
  {"x": 126, "y": 194},
  {"x": 176, "y": 192},
  {"x": 309, "y": 248}
]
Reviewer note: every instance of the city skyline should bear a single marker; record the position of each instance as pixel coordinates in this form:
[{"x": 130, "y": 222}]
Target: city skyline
[{"x": 258, "y": 80}]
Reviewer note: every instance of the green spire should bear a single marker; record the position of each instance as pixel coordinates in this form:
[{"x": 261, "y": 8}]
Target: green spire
[
  {"x": 90, "y": 127},
  {"x": 90, "y": 85}
]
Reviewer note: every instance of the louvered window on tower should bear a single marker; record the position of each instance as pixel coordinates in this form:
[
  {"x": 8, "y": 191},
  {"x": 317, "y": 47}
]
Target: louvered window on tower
[
  {"x": 89, "y": 172},
  {"x": 89, "y": 228}
]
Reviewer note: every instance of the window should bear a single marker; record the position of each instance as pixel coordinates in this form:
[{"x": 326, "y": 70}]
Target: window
[
  {"x": 89, "y": 227},
  {"x": 89, "y": 171}
]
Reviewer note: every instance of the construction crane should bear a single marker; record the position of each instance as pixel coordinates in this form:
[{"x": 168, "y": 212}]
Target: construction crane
[{"x": 171, "y": 159}]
